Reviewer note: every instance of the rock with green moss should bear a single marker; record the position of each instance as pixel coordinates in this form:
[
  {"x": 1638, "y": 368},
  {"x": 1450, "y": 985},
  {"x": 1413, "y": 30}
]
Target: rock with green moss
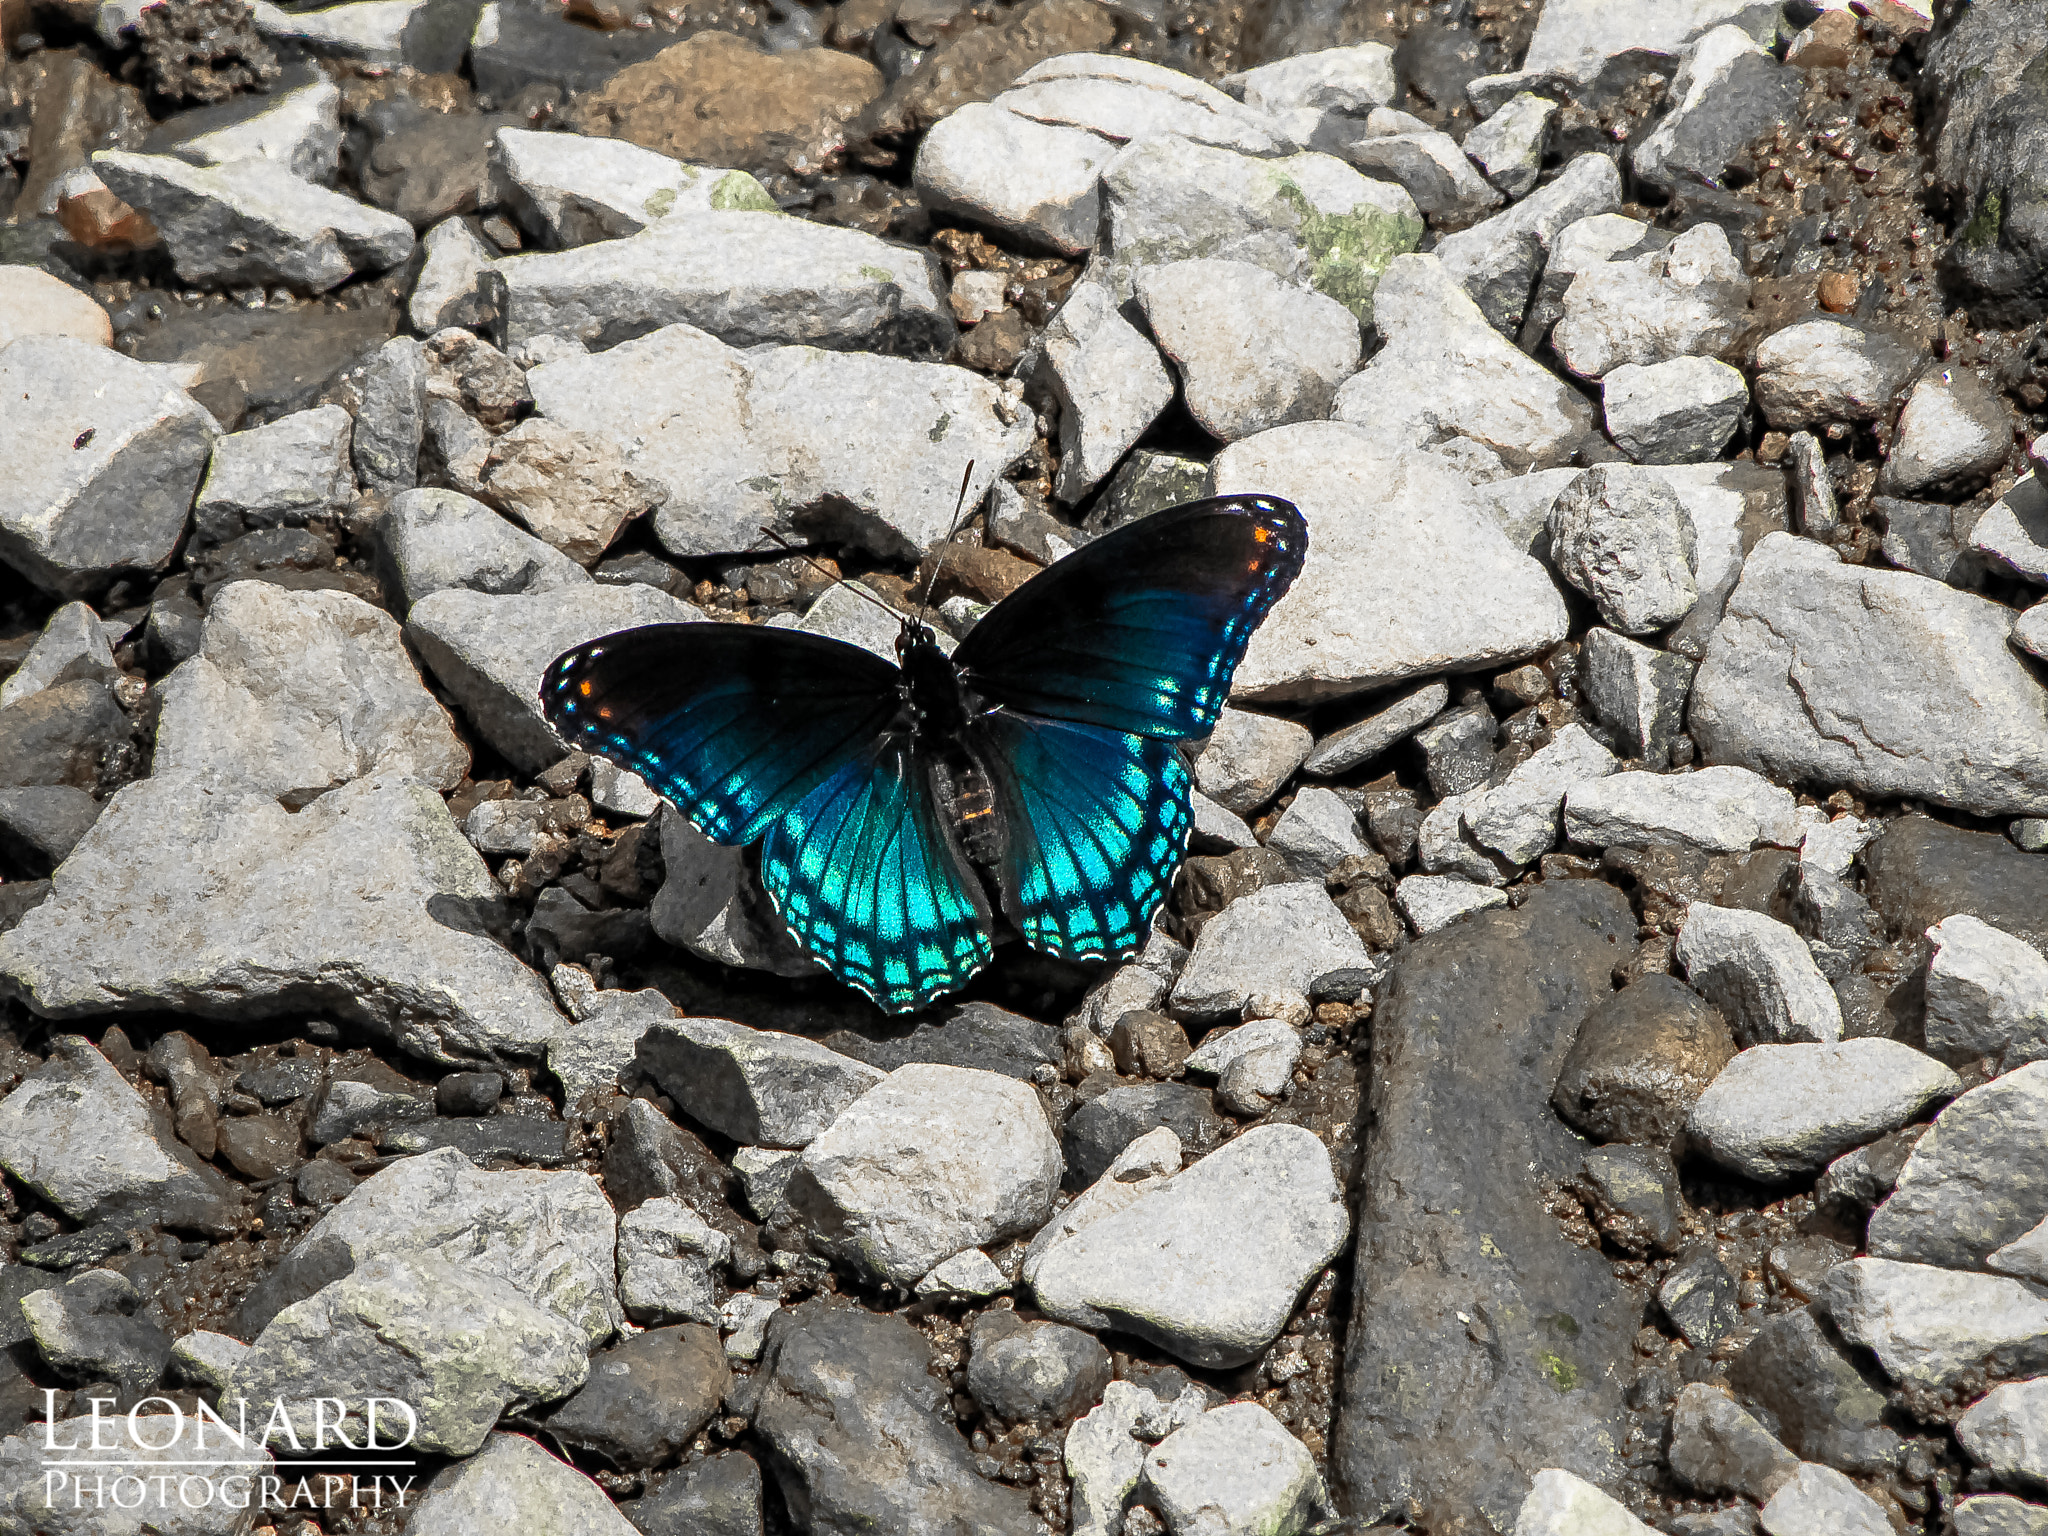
[
  {"x": 1308, "y": 218},
  {"x": 567, "y": 190}
]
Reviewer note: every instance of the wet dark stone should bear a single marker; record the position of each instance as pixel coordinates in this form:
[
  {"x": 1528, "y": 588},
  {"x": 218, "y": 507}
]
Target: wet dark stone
[
  {"x": 61, "y": 735},
  {"x": 259, "y": 1146},
  {"x": 648, "y": 1156},
  {"x": 281, "y": 359},
  {"x": 1019, "y": 1370},
  {"x": 970, "y": 1035},
  {"x": 1457, "y": 748},
  {"x": 1753, "y": 96},
  {"x": 41, "y": 824},
  {"x": 424, "y": 165},
  {"x": 1463, "y": 1276},
  {"x": 1754, "y": 881},
  {"x": 1634, "y": 1196},
  {"x": 537, "y": 45},
  {"x": 718, "y": 1496},
  {"x": 1921, "y": 870},
  {"x": 18, "y": 898},
  {"x": 323, "y": 1182},
  {"x": 646, "y": 1398},
  {"x": 266, "y": 549},
  {"x": 174, "y": 628},
  {"x": 850, "y": 1417},
  {"x": 1100, "y": 1129},
  {"x": 101, "y": 1334},
  {"x": 281, "y": 1079},
  {"x": 518, "y": 1138},
  {"x": 469, "y": 1093},
  {"x": 1808, "y": 1392},
  {"x": 1701, "y": 1299},
  {"x": 1640, "y": 1061}
]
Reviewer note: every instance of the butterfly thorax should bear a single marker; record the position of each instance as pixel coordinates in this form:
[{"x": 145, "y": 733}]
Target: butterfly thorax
[{"x": 939, "y": 708}]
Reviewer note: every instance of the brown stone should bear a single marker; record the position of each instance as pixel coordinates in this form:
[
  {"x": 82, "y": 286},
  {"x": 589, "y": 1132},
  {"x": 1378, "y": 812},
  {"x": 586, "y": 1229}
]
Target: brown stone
[
  {"x": 978, "y": 65},
  {"x": 33, "y": 303},
  {"x": 1641, "y": 1060},
  {"x": 1825, "y": 44},
  {"x": 77, "y": 109},
  {"x": 1838, "y": 291},
  {"x": 995, "y": 345},
  {"x": 719, "y": 100},
  {"x": 986, "y": 575},
  {"x": 259, "y": 1146},
  {"x": 1147, "y": 1044},
  {"x": 97, "y": 219}
]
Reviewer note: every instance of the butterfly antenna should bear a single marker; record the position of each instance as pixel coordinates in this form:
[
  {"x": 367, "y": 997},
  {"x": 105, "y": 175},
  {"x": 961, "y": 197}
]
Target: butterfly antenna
[
  {"x": 834, "y": 577},
  {"x": 939, "y": 557}
]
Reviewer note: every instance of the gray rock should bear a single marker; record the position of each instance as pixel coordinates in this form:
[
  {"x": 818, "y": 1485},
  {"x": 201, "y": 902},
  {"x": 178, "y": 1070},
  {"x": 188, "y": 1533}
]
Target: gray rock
[
  {"x": 1921, "y": 871},
  {"x": 1509, "y": 145},
  {"x": 1733, "y": 507},
  {"x": 1640, "y": 1061},
  {"x": 756, "y": 1086},
  {"x": 2006, "y": 1432},
  {"x": 1935, "y": 1329},
  {"x": 293, "y": 470},
  {"x": 299, "y": 128},
  {"x": 1498, "y": 260},
  {"x": 459, "y": 1345},
  {"x": 390, "y": 420},
  {"x": 1248, "y": 758},
  {"x": 1105, "y": 1451},
  {"x": 1976, "y": 1181},
  {"x": 746, "y": 277},
  {"x": 1457, "y": 750},
  {"x": 1303, "y": 217},
  {"x": 2014, "y": 531},
  {"x": 566, "y": 190},
  {"x": 979, "y": 1035},
  {"x": 711, "y": 903},
  {"x": 1762, "y": 977},
  {"x": 1264, "y": 1213},
  {"x": 489, "y": 652},
  {"x": 1687, "y": 300},
  {"x": 1315, "y": 833},
  {"x": 1717, "y": 1448},
  {"x": 253, "y": 221},
  {"x": 88, "y": 1330},
  {"x": 851, "y": 1416},
  {"x": 72, "y": 645},
  {"x": 1628, "y": 544},
  {"x": 1699, "y": 1297},
  {"x": 647, "y": 1397},
  {"x": 1433, "y": 902},
  {"x": 1575, "y": 30},
  {"x": 666, "y": 1255},
  {"x": 1518, "y": 818},
  {"x": 1560, "y": 1504},
  {"x": 368, "y": 904},
  {"x": 1281, "y": 937},
  {"x": 1109, "y": 381},
  {"x": 1253, "y": 351},
  {"x": 717, "y": 1496},
  {"x": 104, "y": 455},
  {"x": 1102, "y": 1131},
  {"x": 1987, "y": 995},
  {"x": 446, "y": 292},
  {"x": 572, "y": 489},
  {"x": 1636, "y": 692},
  {"x": 1814, "y": 492},
  {"x": 348, "y": 1106},
  {"x": 1712, "y": 810},
  {"x": 1374, "y": 605},
  {"x": 1999, "y": 1514},
  {"x": 1347, "y": 747},
  {"x": 1253, "y": 1065},
  {"x": 1351, "y": 80},
  {"x": 41, "y": 824},
  {"x": 1835, "y": 920},
  {"x": 930, "y": 1161},
  {"x": 1953, "y": 435},
  {"x": 1634, "y": 1197},
  {"x": 434, "y": 539},
  {"x": 1039, "y": 183},
  {"x": 1878, "y": 705},
  {"x": 805, "y": 442},
  {"x": 1127, "y": 99},
  {"x": 1817, "y": 1498},
  {"x": 513, "y": 1473},
  {"x": 1046, "y": 1372},
  {"x": 608, "y": 1027},
  {"x": 1727, "y": 91},
  {"x": 1824, "y": 370},
  {"x": 1675, "y": 412},
  {"x": 764, "y": 1174},
  {"x": 1426, "y": 164},
  {"x": 61, "y": 1501},
  {"x": 1809, "y": 1388},
  {"x": 1930, "y": 538},
  {"x": 1459, "y": 1113},
  {"x": 970, "y": 1275},
  {"x": 1446, "y": 372},
  {"x": 295, "y": 693},
  {"x": 1236, "y": 1465},
  {"x": 205, "y": 1358}
]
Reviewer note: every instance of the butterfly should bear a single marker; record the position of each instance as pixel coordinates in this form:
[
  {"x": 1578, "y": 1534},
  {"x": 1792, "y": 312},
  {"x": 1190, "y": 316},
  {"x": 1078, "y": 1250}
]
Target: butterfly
[{"x": 1046, "y": 753}]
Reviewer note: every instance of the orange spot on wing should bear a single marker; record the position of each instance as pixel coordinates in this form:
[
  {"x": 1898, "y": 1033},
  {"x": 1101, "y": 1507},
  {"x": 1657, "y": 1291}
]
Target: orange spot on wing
[{"x": 584, "y": 687}]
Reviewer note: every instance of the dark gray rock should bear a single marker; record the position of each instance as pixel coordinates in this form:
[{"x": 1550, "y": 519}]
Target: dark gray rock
[
  {"x": 1718, "y": 1448},
  {"x": 511, "y": 1138},
  {"x": 1020, "y": 1370},
  {"x": 969, "y": 1035},
  {"x": 88, "y": 1329},
  {"x": 646, "y": 1398},
  {"x": 391, "y": 418},
  {"x": 1835, "y": 920},
  {"x": 647, "y": 1156},
  {"x": 424, "y": 165},
  {"x": 1641, "y": 1060},
  {"x": 1920, "y": 871},
  {"x": 1700, "y": 1299},
  {"x": 718, "y": 1496},
  {"x": 533, "y": 43},
  {"x": 468, "y": 1093},
  {"x": 1743, "y": 96},
  {"x": 41, "y": 824},
  {"x": 1457, "y": 749},
  {"x": 1105, "y": 1125},
  {"x": 1998, "y": 177},
  {"x": 62, "y": 735},
  {"x": 850, "y": 1417},
  {"x": 1463, "y": 1278},
  {"x": 1634, "y": 1196},
  {"x": 1929, "y": 539},
  {"x": 1804, "y": 1387}
]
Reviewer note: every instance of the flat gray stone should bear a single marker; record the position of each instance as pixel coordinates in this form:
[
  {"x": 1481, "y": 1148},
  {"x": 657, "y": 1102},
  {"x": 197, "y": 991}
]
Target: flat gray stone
[
  {"x": 1562, "y": 1504},
  {"x": 1350, "y": 745},
  {"x": 489, "y": 652},
  {"x": 1999, "y": 1514},
  {"x": 1976, "y": 1182},
  {"x": 1432, "y": 902},
  {"x": 1818, "y": 1498},
  {"x": 1209, "y": 1262},
  {"x": 1280, "y": 937},
  {"x": 565, "y": 189},
  {"x": 1519, "y": 817},
  {"x": 1933, "y": 1329},
  {"x": 446, "y": 291},
  {"x": 1688, "y": 300},
  {"x": 1571, "y": 30},
  {"x": 1125, "y": 99},
  {"x": 607, "y": 1025},
  {"x": 1508, "y": 145},
  {"x": 1315, "y": 833},
  {"x": 513, "y": 1473},
  {"x": 300, "y": 129},
  {"x": 808, "y": 443},
  {"x": 1110, "y": 383},
  {"x": 747, "y": 278},
  {"x": 1711, "y": 810},
  {"x": 1761, "y": 976},
  {"x": 712, "y": 904},
  {"x": 294, "y": 469},
  {"x": 1952, "y": 436},
  {"x": 1717, "y": 1447},
  {"x": 1675, "y": 412},
  {"x": 2014, "y": 530},
  {"x": 755, "y": 1085},
  {"x": 1778, "y": 1111},
  {"x": 1881, "y": 681},
  {"x": 159, "y": 1450},
  {"x": 253, "y": 221},
  {"x": 1824, "y": 370},
  {"x": 104, "y": 454},
  {"x": 1987, "y": 994},
  {"x": 435, "y": 539},
  {"x": 2007, "y": 1432},
  {"x": 220, "y": 902},
  {"x": 1427, "y": 164},
  {"x": 296, "y": 693},
  {"x": 1375, "y": 603},
  {"x": 1352, "y": 80},
  {"x": 930, "y": 1161},
  {"x": 666, "y": 1255},
  {"x": 1237, "y": 1464},
  {"x": 1039, "y": 183},
  {"x": 1498, "y": 260},
  {"x": 1248, "y": 758},
  {"x": 1637, "y": 692},
  {"x": 73, "y": 644}
]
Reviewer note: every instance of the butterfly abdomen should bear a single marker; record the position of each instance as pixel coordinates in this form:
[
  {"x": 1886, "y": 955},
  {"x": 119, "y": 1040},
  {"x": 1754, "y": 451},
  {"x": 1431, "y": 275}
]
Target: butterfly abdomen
[{"x": 969, "y": 801}]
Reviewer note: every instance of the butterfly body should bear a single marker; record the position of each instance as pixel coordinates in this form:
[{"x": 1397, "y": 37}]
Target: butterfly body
[{"x": 1042, "y": 759}]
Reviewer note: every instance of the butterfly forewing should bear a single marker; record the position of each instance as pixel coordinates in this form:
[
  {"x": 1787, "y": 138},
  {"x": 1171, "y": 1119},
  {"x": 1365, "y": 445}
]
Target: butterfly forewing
[
  {"x": 733, "y": 725},
  {"x": 1142, "y": 630}
]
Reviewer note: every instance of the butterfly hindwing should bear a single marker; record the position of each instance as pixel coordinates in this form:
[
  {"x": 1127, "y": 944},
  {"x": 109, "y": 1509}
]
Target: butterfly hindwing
[
  {"x": 869, "y": 882},
  {"x": 1141, "y": 630},
  {"x": 734, "y": 725},
  {"x": 1095, "y": 823}
]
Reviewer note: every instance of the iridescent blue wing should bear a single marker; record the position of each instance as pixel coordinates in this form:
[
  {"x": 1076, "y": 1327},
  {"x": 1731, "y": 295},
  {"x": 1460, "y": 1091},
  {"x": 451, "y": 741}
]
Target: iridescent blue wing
[
  {"x": 734, "y": 724},
  {"x": 868, "y": 881},
  {"x": 1142, "y": 630},
  {"x": 1095, "y": 823}
]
